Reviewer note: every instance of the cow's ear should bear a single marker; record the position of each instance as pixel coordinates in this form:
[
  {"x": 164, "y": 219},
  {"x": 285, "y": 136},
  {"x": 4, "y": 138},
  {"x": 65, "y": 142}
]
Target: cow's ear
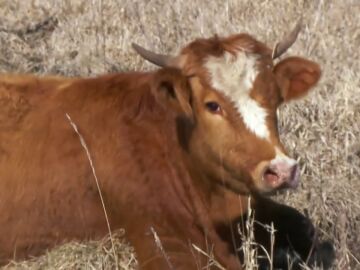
[
  {"x": 296, "y": 76},
  {"x": 172, "y": 88}
]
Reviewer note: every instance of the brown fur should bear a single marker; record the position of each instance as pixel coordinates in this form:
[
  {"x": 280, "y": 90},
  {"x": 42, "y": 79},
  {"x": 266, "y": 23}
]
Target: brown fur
[
  {"x": 156, "y": 155},
  {"x": 124, "y": 128}
]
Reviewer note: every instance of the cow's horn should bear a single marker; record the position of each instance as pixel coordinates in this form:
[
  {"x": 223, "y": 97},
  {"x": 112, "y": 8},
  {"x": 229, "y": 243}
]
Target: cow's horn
[
  {"x": 286, "y": 43},
  {"x": 155, "y": 58}
]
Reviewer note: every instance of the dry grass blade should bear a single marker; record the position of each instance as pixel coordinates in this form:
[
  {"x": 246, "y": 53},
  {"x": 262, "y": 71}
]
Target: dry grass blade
[
  {"x": 83, "y": 144},
  {"x": 211, "y": 259},
  {"x": 161, "y": 248}
]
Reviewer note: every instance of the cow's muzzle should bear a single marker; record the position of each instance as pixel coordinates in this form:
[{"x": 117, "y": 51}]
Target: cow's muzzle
[{"x": 284, "y": 173}]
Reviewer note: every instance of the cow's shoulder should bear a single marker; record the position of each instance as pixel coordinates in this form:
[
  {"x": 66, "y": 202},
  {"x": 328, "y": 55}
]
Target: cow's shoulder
[{"x": 19, "y": 94}]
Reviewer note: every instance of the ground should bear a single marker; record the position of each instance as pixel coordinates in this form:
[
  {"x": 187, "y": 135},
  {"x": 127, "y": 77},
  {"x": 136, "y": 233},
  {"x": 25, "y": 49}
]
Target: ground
[{"x": 82, "y": 37}]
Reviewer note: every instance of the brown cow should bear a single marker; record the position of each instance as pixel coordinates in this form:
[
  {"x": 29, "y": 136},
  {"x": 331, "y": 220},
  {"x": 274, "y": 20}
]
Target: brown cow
[{"x": 171, "y": 149}]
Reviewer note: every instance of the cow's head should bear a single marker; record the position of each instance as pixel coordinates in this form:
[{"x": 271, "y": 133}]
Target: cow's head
[{"x": 235, "y": 91}]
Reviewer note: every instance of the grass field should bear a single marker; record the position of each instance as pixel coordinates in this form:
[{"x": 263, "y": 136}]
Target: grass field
[{"x": 83, "y": 37}]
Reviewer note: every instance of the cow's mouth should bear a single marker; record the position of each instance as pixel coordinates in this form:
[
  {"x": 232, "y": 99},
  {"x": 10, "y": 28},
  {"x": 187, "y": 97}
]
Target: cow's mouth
[{"x": 271, "y": 178}]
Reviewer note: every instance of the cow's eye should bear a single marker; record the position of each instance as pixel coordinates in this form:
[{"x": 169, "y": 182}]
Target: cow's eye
[{"x": 213, "y": 107}]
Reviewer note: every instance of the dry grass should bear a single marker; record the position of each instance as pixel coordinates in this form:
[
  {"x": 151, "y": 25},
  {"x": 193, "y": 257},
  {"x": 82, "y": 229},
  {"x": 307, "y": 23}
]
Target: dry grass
[
  {"x": 91, "y": 255},
  {"x": 86, "y": 37}
]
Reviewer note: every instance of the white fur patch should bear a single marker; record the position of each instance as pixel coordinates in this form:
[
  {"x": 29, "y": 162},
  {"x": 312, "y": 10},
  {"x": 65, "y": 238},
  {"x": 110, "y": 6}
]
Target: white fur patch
[{"x": 234, "y": 76}]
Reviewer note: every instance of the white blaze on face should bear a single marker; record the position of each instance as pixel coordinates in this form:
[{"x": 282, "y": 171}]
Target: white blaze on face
[{"x": 234, "y": 76}]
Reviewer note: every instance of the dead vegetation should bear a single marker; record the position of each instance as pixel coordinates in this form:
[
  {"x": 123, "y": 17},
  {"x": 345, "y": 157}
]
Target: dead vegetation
[
  {"x": 80, "y": 37},
  {"x": 89, "y": 255}
]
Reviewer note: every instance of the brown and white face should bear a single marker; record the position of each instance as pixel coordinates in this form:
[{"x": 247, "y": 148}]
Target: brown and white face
[{"x": 235, "y": 92}]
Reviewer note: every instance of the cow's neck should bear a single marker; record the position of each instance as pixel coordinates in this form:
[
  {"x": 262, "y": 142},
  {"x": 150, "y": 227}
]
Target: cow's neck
[
  {"x": 221, "y": 203},
  {"x": 225, "y": 205}
]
